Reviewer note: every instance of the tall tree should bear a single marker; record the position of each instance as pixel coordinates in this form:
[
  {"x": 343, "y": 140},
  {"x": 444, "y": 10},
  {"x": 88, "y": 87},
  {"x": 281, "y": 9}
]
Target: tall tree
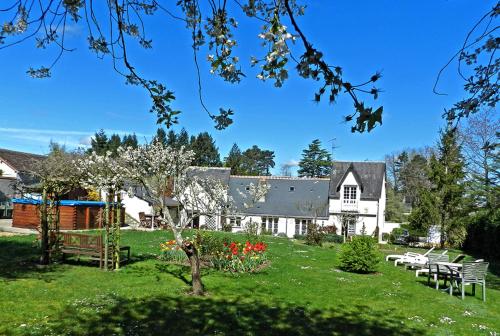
[
  {"x": 315, "y": 162},
  {"x": 413, "y": 176},
  {"x": 206, "y": 153},
  {"x": 114, "y": 142},
  {"x": 182, "y": 139},
  {"x": 99, "y": 142},
  {"x": 234, "y": 160},
  {"x": 130, "y": 141},
  {"x": 480, "y": 145},
  {"x": 161, "y": 136},
  {"x": 446, "y": 175},
  {"x": 256, "y": 161}
]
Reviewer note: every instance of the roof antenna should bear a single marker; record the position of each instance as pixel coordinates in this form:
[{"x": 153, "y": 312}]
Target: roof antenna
[{"x": 333, "y": 146}]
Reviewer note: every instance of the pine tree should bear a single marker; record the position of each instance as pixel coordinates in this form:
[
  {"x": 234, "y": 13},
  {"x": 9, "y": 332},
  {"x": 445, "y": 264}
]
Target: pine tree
[
  {"x": 99, "y": 142},
  {"x": 130, "y": 141},
  {"x": 183, "y": 139},
  {"x": 206, "y": 153},
  {"x": 256, "y": 161},
  {"x": 114, "y": 142},
  {"x": 161, "y": 136},
  {"x": 233, "y": 160},
  {"x": 315, "y": 162},
  {"x": 447, "y": 173}
]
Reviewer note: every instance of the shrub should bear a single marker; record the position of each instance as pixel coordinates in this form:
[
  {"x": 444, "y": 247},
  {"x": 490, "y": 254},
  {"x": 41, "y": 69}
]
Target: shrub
[
  {"x": 333, "y": 238},
  {"x": 299, "y": 237},
  {"x": 266, "y": 232},
  {"x": 330, "y": 229},
  {"x": 282, "y": 235},
  {"x": 360, "y": 255},
  {"x": 251, "y": 230},
  {"x": 237, "y": 257},
  {"x": 209, "y": 244},
  {"x": 314, "y": 235}
]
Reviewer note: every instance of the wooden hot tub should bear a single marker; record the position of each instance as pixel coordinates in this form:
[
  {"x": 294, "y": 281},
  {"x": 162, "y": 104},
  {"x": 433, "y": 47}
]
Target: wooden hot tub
[{"x": 74, "y": 215}]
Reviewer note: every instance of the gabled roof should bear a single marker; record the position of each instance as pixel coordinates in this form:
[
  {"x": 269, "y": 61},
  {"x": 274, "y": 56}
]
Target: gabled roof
[
  {"x": 217, "y": 173},
  {"x": 307, "y": 199},
  {"x": 20, "y": 161},
  {"x": 370, "y": 175}
]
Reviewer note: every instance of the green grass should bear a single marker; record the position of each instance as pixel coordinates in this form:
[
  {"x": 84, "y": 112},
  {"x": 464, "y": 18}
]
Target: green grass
[{"x": 301, "y": 293}]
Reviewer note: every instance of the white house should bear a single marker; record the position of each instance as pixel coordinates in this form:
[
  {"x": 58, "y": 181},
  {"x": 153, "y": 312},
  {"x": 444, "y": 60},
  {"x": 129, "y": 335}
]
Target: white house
[
  {"x": 15, "y": 166},
  {"x": 355, "y": 192},
  {"x": 357, "y": 195}
]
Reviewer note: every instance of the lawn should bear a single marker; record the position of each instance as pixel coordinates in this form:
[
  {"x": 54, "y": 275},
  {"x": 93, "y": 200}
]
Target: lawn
[{"x": 301, "y": 293}]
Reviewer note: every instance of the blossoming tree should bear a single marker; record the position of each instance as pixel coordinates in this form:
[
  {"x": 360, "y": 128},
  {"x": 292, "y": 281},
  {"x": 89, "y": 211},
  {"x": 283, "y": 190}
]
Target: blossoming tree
[
  {"x": 181, "y": 194},
  {"x": 104, "y": 173}
]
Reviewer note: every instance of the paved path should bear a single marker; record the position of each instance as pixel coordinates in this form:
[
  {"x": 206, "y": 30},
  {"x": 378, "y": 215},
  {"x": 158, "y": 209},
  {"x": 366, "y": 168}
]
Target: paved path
[{"x": 6, "y": 226}]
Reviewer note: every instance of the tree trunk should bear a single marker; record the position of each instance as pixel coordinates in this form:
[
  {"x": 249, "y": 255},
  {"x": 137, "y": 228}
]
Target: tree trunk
[
  {"x": 44, "y": 230},
  {"x": 194, "y": 260}
]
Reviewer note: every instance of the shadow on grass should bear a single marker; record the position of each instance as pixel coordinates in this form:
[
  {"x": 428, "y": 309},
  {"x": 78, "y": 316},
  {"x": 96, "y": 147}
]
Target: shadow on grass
[
  {"x": 19, "y": 259},
  {"x": 187, "y": 315}
]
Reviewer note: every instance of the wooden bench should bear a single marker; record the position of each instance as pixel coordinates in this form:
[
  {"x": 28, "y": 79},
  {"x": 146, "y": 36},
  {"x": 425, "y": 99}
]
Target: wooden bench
[{"x": 88, "y": 245}]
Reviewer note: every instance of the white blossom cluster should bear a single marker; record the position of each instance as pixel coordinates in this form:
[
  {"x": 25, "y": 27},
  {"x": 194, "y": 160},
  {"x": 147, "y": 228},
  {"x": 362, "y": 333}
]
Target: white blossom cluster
[
  {"x": 275, "y": 36},
  {"x": 254, "y": 193},
  {"x": 101, "y": 172}
]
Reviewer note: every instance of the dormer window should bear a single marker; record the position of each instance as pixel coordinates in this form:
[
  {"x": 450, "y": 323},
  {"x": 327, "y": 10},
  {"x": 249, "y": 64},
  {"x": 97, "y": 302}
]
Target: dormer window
[{"x": 350, "y": 194}]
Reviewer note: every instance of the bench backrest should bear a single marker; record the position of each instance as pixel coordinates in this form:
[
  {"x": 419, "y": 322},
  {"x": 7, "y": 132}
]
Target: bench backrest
[{"x": 84, "y": 241}]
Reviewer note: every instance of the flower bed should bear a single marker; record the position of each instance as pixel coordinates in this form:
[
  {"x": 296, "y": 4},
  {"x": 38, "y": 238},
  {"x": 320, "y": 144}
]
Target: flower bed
[
  {"x": 241, "y": 258},
  {"x": 170, "y": 251}
]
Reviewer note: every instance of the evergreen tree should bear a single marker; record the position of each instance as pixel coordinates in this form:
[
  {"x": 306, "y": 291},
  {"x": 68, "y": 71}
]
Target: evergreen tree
[
  {"x": 206, "y": 153},
  {"x": 183, "y": 139},
  {"x": 130, "y": 141},
  {"x": 315, "y": 162},
  {"x": 442, "y": 203},
  {"x": 233, "y": 160},
  {"x": 114, "y": 142},
  {"x": 394, "y": 209},
  {"x": 161, "y": 136},
  {"x": 171, "y": 139},
  {"x": 256, "y": 161},
  {"x": 99, "y": 142}
]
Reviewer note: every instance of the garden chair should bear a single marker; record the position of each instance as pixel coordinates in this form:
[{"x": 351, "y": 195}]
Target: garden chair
[
  {"x": 472, "y": 273},
  {"x": 143, "y": 221},
  {"x": 457, "y": 259},
  {"x": 415, "y": 261},
  {"x": 434, "y": 268},
  {"x": 407, "y": 254}
]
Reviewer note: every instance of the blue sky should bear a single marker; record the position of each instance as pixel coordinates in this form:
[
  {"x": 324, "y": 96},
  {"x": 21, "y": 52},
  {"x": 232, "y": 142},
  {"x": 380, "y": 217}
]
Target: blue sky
[{"x": 408, "y": 41}]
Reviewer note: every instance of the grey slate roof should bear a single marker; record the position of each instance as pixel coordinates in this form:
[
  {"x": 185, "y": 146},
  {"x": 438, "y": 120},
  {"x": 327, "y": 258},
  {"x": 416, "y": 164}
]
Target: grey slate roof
[
  {"x": 371, "y": 175},
  {"x": 20, "y": 161},
  {"x": 309, "y": 198},
  {"x": 217, "y": 173}
]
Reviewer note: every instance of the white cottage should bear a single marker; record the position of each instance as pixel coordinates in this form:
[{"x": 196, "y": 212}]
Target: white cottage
[{"x": 357, "y": 195}]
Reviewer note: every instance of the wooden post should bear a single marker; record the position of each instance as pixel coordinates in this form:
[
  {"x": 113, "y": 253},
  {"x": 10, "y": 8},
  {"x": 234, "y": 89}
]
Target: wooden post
[
  {"x": 106, "y": 232},
  {"x": 87, "y": 218}
]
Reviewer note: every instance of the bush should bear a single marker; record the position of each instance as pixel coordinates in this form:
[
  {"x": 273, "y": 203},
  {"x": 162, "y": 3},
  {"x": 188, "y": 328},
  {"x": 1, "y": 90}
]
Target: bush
[
  {"x": 299, "y": 237},
  {"x": 360, "y": 255},
  {"x": 251, "y": 230},
  {"x": 333, "y": 238},
  {"x": 282, "y": 235},
  {"x": 209, "y": 244},
  {"x": 314, "y": 235}
]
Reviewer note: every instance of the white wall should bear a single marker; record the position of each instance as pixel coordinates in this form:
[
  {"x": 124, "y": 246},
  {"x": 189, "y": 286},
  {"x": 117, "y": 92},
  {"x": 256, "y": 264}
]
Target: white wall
[
  {"x": 7, "y": 171},
  {"x": 134, "y": 205}
]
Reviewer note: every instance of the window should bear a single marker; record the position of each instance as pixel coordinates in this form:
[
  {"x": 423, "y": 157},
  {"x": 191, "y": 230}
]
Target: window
[
  {"x": 235, "y": 221},
  {"x": 247, "y": 188},
  {"x": 350, "y": 225},
  {"x": 270, "y": 224},
  {"x": 301, "y": 226},
  {"x": 292, "y": 188},
  {"x": 350, "y": 194}
]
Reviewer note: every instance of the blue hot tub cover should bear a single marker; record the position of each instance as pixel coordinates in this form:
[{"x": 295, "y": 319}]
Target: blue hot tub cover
[{"x": 62, "y": 202}]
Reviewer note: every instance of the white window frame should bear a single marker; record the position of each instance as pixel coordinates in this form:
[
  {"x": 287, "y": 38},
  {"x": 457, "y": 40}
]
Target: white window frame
[
  {"x": 271, "y": 224},
  {"x": 350, "y": 194},
  {"x": 235, "y": 221},
  {"x": 301, "y": 225}
]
